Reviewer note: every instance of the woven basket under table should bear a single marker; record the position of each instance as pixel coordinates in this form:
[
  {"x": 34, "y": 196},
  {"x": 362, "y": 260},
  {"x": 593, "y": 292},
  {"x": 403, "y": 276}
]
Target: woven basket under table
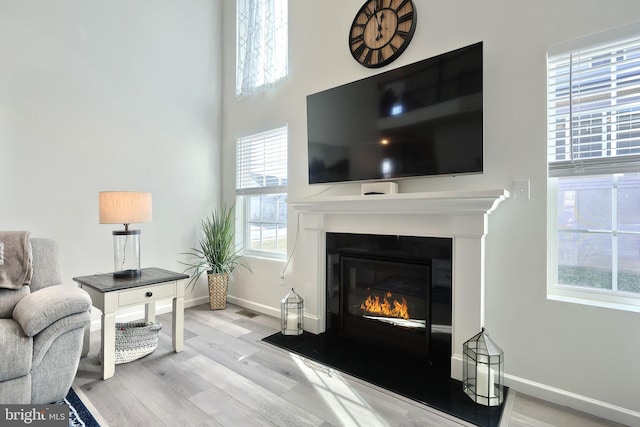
[{"x": 135, "y": 340}]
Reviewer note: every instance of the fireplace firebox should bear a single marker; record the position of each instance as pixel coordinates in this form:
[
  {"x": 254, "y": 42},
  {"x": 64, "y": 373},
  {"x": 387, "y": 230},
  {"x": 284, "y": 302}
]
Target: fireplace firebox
[{"x": 392, "y": 291}]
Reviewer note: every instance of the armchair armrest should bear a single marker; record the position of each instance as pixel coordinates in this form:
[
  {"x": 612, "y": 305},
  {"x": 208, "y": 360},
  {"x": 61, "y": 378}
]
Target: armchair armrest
[{"x": 40, "y": 309}]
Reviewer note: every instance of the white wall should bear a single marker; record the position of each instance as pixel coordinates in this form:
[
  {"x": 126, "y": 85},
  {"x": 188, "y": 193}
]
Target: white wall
[
  {"x": 114, "y": 95},
  {"x": 576, "y": 355},
  {"x": 124, "y": 95}
]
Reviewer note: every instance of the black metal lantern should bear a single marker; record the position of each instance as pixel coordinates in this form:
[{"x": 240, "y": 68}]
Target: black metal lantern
[
  {"x": 292, "y": 314},
  {"x": 482, "y": 370}
]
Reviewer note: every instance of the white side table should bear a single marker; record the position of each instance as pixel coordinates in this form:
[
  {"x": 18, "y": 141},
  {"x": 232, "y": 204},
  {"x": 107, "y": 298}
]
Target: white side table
[{"x": 108, "y": 294}]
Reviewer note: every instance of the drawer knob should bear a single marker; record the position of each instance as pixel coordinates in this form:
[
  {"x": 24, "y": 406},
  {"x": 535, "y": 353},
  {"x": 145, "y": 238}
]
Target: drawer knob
[{"x": 149, "y": 294}]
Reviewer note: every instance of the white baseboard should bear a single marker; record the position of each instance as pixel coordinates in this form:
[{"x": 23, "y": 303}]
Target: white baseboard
[
  {"x": 456, "y": 367},
  {"x": 260, "y": 308},
  {"x": 311, "y": 323},
  {"x": 575, "y": 401}
]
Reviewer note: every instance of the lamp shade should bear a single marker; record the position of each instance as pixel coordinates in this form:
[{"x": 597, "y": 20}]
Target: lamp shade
[{"x": 124, "y": 207}]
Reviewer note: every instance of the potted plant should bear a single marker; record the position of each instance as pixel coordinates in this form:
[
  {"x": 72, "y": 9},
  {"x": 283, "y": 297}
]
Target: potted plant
[{"x": 216, "y": 254}]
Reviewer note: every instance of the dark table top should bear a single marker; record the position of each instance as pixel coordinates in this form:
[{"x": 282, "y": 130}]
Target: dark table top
[{"x": 107, "y": 283}]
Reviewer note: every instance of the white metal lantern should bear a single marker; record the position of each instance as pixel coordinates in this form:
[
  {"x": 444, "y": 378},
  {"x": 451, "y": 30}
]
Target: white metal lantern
[
  {"x": 482, "y": 370},
  {"x": 292, "y": 314}
]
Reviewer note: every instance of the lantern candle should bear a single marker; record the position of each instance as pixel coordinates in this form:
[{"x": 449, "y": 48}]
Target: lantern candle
[
  {"x": 292, "y": 314},
  {"x": 485, "y": 381},
  {"x": 482, "y": 370}
]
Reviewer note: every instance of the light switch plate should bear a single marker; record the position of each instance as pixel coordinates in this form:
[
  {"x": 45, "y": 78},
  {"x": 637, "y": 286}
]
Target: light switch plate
[{"x": 522, "y": 189}]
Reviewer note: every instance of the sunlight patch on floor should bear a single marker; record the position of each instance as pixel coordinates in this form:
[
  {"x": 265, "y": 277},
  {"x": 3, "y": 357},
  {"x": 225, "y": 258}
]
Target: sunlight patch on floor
[{"x": 338, "y": 395}]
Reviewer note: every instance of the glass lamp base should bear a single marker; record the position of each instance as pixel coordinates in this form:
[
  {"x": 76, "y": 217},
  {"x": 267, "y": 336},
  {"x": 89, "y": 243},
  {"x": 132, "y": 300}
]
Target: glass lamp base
[{"x": 126, "y": 253}]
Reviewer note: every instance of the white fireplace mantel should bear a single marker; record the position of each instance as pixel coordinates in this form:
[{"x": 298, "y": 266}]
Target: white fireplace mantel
[
  {"x": 440, "y": 203},
  {"x": 459, "y": 215}
]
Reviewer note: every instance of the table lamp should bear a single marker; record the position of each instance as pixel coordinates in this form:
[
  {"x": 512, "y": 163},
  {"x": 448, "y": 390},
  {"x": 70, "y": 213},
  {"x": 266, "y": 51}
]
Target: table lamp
[{"x": 125, "y": 207}]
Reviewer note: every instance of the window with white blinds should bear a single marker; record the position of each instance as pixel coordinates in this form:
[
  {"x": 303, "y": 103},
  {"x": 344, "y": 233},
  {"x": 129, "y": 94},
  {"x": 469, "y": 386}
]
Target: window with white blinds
[
  {"x": 261, "y": 193},
  {"x": 261, "y": 163},
  {"x": 593, "y": 156},
  {"x": 594, "y": 107}
]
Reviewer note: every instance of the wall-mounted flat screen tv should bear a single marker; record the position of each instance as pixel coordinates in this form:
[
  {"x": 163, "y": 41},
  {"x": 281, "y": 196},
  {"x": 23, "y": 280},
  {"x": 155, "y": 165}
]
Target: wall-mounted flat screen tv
[{"x": 421, "y": 119}]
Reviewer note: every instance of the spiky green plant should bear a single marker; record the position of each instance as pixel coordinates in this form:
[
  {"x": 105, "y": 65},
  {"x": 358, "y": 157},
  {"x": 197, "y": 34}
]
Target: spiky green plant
[{"x": 216, "y": 252}]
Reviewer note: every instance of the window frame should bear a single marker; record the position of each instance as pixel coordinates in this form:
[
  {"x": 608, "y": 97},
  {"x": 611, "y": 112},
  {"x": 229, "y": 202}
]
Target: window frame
[
  {"x": 606, "y": 165},
  {"x": 609, "y": 298},
  {"x": 245, "y": 190}
]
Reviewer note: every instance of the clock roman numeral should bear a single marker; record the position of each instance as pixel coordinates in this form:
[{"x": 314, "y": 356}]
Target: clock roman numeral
[
  {"x": 368, "y": 12},
  {"x": 380, "y": 56},
  {"x": 402, "y": 34},
  {"x": 358, "y": 52},
  {"x": 356, "y": 39},
  {"x": 367, "y": 58},
  {"x": 403, "y": 4},
  {"x": 406, "y": 17}
]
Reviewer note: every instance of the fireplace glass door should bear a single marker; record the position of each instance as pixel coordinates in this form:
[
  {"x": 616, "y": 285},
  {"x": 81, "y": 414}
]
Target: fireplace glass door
[{"x": 386, "y": 301}]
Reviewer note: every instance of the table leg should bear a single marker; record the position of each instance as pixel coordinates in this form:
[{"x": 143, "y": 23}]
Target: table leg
[
  {"x": 150, "y": 312},
  {"x": 86, "y": 341},
  {"x": 108, "y": 345},
  {"x": 178, "y": 324}
]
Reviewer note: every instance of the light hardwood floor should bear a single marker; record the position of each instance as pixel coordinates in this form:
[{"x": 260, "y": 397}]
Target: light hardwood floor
[{"x": 226, "y": 376}]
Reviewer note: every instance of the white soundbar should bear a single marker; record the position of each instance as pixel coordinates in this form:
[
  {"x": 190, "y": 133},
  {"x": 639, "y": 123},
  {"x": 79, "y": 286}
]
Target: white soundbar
[{"x": 371, "y": 188}]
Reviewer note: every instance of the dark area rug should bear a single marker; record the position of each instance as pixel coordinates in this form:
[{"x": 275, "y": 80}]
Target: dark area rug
[
  {"x": 405, "y": 375},
  {"x": 79, "y": 415}
]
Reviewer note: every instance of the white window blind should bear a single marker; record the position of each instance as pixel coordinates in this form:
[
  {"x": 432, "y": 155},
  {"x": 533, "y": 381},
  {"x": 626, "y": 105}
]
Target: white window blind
[
  {"x": 261, "y": 163},
  {"x": 594, "y": 108}
]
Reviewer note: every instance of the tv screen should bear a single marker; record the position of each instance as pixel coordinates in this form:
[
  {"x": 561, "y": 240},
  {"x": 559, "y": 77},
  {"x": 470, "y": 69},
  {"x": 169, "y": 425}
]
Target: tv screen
[{"x": 418, "y": 120}]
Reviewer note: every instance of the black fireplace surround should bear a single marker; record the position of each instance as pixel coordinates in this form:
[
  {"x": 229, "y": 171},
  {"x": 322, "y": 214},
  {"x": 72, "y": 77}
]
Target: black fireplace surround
[{"x": 391, "y": 291}]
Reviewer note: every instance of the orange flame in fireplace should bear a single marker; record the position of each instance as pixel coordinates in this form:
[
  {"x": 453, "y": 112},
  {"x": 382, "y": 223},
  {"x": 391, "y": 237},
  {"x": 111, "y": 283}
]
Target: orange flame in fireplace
[{"x": 386, "y": 308}]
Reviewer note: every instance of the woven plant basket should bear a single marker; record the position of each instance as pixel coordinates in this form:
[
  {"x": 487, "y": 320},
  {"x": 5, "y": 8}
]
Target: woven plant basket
[
  {"x": 135, "y": 340},
  {"x": 218, "y": 284}
]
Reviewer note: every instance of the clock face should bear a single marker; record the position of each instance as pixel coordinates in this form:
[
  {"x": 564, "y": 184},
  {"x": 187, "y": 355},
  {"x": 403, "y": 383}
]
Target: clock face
[{"x": 381, "y": 31}]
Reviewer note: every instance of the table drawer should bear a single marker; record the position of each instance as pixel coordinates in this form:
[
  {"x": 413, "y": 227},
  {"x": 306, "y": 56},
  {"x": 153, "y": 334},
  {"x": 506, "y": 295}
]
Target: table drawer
[{"x": 147, "y": 294}]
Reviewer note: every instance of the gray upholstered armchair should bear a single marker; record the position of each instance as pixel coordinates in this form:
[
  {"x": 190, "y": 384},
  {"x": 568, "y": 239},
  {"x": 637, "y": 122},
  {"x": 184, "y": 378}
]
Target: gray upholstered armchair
[{"x": 41, "y": 332}]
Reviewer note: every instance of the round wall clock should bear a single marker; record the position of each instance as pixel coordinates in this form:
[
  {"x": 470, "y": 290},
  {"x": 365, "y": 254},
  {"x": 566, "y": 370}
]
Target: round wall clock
[{"x": 381, "y": 31}]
